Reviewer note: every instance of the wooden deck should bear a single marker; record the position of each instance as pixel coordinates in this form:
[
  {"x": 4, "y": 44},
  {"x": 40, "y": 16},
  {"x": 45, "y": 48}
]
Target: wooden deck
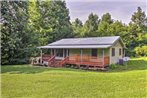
[
  {"x": 85, "y": 60},
  {"x": 88, "y": 61}
]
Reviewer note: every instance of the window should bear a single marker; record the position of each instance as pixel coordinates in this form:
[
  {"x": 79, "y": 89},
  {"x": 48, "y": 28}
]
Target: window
[
  {"x": 66, "y": 52},
  {"x": 119, "y": 51},
  {"x": 60, "y": 52},
  {"x": 113, "y": 51},
  {"x": 94, "y": 52}
]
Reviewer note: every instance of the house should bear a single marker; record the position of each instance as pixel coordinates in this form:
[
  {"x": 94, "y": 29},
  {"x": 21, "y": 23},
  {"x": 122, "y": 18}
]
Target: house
[{"x": 97, "y": 52}]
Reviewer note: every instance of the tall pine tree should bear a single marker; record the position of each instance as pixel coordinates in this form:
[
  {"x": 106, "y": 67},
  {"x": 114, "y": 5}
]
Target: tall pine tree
[
  {"x": 104, "y": 25},
  {"x": 137, "y": 31},
  {"x": 91, "y": 25},
  {"x": 77, "y": 26}
]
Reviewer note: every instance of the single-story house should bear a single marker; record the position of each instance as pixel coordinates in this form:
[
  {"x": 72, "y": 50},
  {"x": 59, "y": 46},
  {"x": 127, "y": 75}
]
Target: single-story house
[{"x": 91, "y": 51}]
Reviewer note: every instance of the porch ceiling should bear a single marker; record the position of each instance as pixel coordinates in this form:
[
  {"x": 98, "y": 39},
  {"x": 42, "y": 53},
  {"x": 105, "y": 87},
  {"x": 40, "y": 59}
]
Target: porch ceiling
[{"x": 76, "y": 46}]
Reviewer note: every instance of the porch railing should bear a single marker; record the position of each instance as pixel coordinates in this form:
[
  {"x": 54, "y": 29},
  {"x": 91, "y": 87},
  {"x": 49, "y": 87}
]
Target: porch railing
[
  {"x": 46, "y": 57},
  {"x": 88, "y": 60},
  {"x": 78, "y": 60}
]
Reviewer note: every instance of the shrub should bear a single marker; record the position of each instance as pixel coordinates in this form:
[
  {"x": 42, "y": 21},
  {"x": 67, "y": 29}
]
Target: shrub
[
  {"x": 141, "y": 51},
  {"x": 113, "y": 66},
  {"x": 130, "y": 52}
]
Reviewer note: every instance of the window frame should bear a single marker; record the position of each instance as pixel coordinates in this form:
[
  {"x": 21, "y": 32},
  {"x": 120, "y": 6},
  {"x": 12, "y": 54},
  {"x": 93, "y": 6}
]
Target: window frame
[
  {"x": 95, "y": 52},
  {"x": 59, "y": 53},
  {"x": 120, "y": 51},
  {"x": 113, "y": 52}
]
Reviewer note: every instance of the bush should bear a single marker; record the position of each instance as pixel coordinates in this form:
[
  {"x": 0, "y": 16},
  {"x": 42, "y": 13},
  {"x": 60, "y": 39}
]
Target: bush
[
  {"x": 141, "y": 51},
  {"x": 113, "y": 66},
  {"x": 130, "y": 52}
]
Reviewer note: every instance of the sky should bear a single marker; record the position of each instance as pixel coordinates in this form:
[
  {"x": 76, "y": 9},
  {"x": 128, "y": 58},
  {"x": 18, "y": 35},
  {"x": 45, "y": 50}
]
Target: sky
[{"x": 119, "y": 9}]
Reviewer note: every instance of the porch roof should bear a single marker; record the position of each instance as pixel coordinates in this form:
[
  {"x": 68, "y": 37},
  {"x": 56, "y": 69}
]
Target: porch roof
[{"x": 76, "y": 46}]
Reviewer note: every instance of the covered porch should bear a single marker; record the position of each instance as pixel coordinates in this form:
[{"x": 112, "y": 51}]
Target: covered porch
[{"x": 87, "y": 57}]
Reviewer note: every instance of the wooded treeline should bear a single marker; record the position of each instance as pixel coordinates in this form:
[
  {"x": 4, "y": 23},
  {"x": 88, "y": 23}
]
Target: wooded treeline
[{"x": 26, "y": 25}]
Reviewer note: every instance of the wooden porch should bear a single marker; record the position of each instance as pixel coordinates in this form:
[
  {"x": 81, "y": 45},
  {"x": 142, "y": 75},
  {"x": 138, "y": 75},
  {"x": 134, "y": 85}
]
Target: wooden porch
[
  {"x": 88, "y": 60},
  {"x": 85, "y": 61}
]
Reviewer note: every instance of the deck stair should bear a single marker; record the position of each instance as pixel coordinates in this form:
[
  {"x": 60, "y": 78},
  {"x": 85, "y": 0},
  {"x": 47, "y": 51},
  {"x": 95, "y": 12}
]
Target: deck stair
[{"x": 57, "y": 63}]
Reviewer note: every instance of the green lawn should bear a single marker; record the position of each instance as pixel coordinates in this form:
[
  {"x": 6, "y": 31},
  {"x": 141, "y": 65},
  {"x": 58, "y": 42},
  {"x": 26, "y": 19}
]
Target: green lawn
[{"x": 27, "y": 81}]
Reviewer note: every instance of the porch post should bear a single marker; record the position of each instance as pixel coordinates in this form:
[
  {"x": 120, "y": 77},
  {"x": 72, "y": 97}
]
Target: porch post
[
  {"x": 81, "y": 55},
  {"x": 51, "y": 52},
  {"x": 55, "y": 52},
  {"x": 63, "y": 53},
  {"x": 103, "y": 56},
  {"x": 41, "y": 57},
  {"x": 67, "y": 53}
]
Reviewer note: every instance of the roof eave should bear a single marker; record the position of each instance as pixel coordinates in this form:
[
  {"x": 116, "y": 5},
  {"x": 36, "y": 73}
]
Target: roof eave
[{"x": 74, "y": 47}]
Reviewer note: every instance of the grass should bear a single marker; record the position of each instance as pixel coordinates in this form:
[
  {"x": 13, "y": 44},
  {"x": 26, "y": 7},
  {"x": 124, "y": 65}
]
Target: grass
[{"x": 40, "y": 82}]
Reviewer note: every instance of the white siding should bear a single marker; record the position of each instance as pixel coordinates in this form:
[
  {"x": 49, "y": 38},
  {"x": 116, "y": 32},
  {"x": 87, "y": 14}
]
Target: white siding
[{"x": 115, "y": 59}]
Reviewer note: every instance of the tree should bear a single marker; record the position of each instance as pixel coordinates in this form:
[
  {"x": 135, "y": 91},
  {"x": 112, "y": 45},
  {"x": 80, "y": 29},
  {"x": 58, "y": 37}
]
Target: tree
[
  {"x": 91, "y": 25},
  {"x": 14, "y": 39},
  {"x": 61, "y": 25},
  {"x": 104, "y": 25},
  {"x": 53, "y": 17},
  {"x": 141, "y": 51},
  {"x": 49, "y": 21},
  {"x": 139, "y": 18},
  {"x": 107, "y": 18},
  {"x": 103, "y": 29},
  {"x": 77, "y": 26},
  {"x": 117, "y": 28},
  {"x": 136, "y": 30}
]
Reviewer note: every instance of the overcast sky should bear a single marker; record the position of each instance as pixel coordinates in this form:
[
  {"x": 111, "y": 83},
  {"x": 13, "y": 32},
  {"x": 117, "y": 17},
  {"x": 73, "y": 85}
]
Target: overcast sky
[{"x": 119, "y": 9}]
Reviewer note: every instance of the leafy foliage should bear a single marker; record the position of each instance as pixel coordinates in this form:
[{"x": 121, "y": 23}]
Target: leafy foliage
[
  {"x": 77, "y": 26},
  {"x": 26, "y": 25},
  {"x": 49, "y": 21},
  {"x": 141, "y": 51},
  {"x": 107, "y": 18},
  {"x": 137, "y": 31},
  {"x": 134, "y": 34},
  {"x": 113, "y": 66},
  {"x": 91, "y": 26},
  {"x": 14, "y": 39}
]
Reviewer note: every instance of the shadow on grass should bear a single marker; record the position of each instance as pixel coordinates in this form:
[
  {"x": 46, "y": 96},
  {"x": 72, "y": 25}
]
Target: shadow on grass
[
  {"x": 15, "y": 69},
  {"x": 28, "y": 69}
]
